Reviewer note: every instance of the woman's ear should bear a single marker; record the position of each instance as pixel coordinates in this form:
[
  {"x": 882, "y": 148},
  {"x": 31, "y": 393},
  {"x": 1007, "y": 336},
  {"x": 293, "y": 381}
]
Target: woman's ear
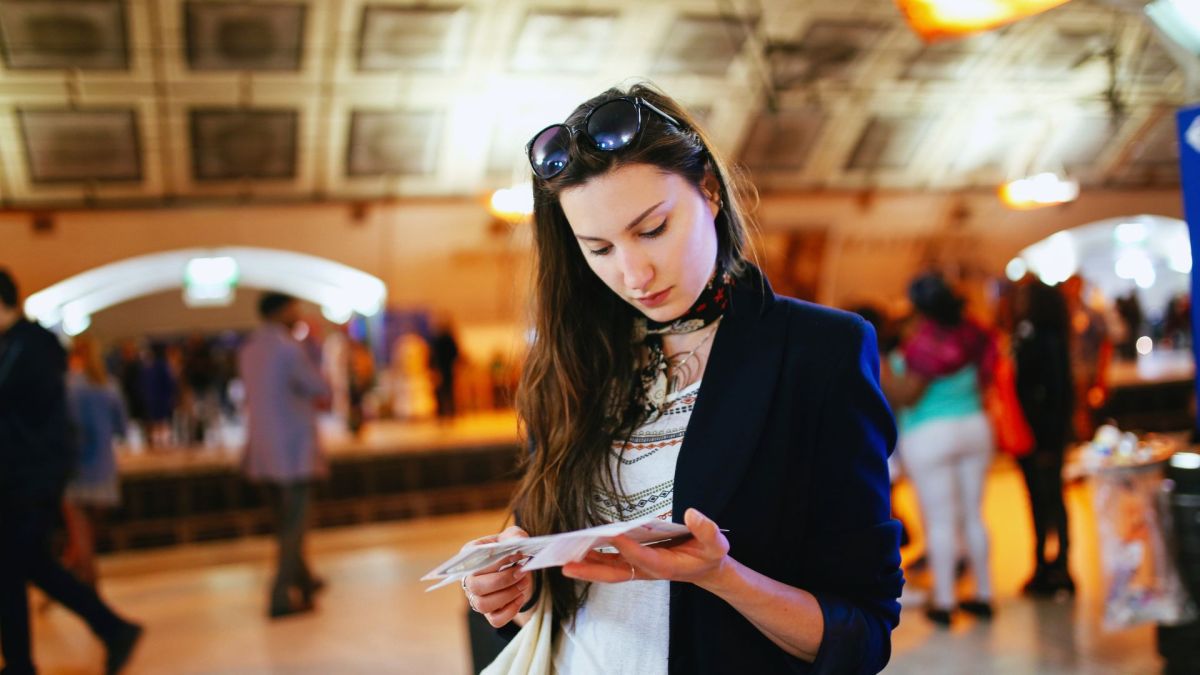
[{"x": 710, "y": 187}]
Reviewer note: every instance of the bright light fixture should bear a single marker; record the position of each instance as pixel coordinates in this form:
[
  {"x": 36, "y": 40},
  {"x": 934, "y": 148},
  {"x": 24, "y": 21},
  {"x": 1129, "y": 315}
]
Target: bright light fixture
[
  {"x": 1185, "y": 460},
  {"x": 75, "y": 319},
  {"x": 337, "y": 314},
  {"x": 1015, "y": 269},
  {"x": 1144, "y": 345},
  {"x": 209, "y": 282},
  {"x": 1132, "y": 263},
  {"x": 1179, "y": 259},
  {"x": 939, "y": 19},
  {"x": 1179, "y": 19},
  {"x": 513, "y": 204},
  {"x": 211, "y": 271},
  {"x": 1035, "y": 192},
  {"x": 1130, "y": 233},
  {"x": 1055, "y": 259}
]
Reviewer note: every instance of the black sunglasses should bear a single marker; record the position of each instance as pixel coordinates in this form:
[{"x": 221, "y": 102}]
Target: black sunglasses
[{"x": 610, "y": 126}]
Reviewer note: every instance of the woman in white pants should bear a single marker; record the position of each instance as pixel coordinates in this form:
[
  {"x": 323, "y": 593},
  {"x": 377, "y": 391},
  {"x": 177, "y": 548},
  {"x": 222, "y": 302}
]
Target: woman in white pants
[{"x": 946, "y": 442}]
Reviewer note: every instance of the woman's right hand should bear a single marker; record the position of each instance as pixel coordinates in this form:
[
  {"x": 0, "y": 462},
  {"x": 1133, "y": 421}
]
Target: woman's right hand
[{"x": 499, "y": 594}]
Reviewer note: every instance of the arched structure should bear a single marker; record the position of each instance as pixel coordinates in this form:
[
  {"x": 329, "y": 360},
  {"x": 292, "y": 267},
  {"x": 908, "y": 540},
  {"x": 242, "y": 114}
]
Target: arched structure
[
  {"x": 340, "y": 290},
  {"x": 1147, "y": 253}
]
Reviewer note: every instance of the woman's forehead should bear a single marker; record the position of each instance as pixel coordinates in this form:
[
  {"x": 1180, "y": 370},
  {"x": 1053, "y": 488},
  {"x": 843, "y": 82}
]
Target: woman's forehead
[{"x": 610, "y": 201}]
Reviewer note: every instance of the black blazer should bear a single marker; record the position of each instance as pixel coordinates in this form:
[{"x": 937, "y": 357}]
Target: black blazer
[
  {"x": 787, "y": 449},
  {"x": 36, "y": 445}
]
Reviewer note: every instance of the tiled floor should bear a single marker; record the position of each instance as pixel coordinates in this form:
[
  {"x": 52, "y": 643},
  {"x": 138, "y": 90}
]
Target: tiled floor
[{"x": 203, "y": 606}]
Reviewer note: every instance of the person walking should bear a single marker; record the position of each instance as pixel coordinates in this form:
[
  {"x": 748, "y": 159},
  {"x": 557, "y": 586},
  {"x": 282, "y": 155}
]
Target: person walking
[
  {"x": 36, "y": 448},
  {"x": 283, "y": 388},
  {"x": 98, "y": 415}
]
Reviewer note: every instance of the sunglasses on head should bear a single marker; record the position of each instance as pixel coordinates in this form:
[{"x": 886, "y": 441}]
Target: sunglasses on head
[{"x": 610, "y": 126}]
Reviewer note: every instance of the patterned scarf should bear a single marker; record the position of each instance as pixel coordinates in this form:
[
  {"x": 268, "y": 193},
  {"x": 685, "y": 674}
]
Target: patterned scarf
[{"x": 654, "y": 376}]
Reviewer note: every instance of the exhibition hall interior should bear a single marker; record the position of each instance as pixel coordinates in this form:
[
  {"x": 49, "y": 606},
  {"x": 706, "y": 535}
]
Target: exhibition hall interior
[{"x": 299, "y": 298}]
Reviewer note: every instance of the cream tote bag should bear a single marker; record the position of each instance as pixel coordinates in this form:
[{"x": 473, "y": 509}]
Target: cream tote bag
[{"x": 531, "y": 652}]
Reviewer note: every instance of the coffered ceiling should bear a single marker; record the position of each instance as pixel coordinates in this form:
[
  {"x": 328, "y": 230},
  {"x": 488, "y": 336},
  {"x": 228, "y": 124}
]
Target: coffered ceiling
[{"x": 170, "y": 101}]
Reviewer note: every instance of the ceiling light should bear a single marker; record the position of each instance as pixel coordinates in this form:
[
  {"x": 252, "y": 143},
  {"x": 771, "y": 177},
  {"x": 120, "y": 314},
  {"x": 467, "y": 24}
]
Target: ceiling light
[
  {"x": 939, "y": 19},
  {"x": 1015, "y": 269},
  {"x": 513, "y": 204},
  {"x": 1130, "y": 233},
  {"x": 1034, "y": 192},
  {"x": 1179, "y": 19},
  {"x": 209, "y": 282},
  {"x": 1054, "y": 260}
]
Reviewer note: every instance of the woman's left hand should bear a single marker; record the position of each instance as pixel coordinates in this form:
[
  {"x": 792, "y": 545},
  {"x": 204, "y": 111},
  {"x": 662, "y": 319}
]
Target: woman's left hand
[{"x": 696, "y": 560}]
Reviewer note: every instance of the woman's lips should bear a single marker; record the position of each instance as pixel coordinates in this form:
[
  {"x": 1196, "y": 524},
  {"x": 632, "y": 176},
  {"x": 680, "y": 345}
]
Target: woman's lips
[{"x": 652, "y": 301}]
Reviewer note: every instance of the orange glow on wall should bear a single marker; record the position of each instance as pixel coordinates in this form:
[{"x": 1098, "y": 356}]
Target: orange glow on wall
[{"x": 940, "y": 19}]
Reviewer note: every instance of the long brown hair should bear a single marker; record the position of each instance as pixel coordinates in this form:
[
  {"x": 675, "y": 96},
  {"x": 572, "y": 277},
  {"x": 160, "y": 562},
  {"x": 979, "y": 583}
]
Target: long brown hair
[
  {"x": 576, "y": 393},
  {"x": 86, "y": 353}
]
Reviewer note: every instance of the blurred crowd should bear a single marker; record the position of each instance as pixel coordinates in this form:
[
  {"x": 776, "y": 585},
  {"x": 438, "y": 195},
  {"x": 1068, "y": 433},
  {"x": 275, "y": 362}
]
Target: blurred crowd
[
  {"x": 187, "y": 391},
  {"x": 1025, "y": 374}
]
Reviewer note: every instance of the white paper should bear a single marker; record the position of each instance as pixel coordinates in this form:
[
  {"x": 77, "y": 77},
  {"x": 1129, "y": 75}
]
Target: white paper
[{"x": 553, "y": 550}]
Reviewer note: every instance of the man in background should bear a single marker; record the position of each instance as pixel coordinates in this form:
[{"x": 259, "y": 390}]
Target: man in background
[
  {"x": 36, "y": 455},
  {"x": 283, "y": 388}
]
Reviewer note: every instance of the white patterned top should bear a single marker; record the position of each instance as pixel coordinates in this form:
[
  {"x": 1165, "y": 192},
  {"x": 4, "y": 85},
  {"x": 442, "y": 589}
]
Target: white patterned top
[{"x": 623, "y": 628}]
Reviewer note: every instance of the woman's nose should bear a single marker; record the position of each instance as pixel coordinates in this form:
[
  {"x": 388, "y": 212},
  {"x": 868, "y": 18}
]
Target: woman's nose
[{"x": 636, "y": 271}]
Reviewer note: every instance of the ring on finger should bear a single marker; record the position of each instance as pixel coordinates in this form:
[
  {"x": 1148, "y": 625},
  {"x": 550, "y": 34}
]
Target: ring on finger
[
  {"x": 632, "y": 572},
  {"x": 470, "y": 598}
]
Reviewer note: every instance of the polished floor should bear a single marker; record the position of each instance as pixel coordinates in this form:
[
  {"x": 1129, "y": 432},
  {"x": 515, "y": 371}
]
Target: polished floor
[{"x": 203, "y": 607}]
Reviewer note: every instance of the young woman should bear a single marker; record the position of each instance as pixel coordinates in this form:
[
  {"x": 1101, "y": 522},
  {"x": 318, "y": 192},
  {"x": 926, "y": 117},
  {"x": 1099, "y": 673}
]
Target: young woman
[
  {"x": 668, "y": 379},
  {"x": 99, "y": 416},
  {"x": 946, "y": 440}
]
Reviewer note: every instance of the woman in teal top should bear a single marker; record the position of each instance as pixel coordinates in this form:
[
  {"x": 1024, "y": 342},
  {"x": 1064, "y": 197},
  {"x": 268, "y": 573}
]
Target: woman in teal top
[{"x": 946, "y": 440}]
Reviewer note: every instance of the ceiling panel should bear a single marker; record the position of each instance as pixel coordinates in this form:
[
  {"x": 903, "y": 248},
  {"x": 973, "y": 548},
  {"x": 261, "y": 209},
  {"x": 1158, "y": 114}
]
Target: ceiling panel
[
  {"x": 563, "y": 42},
  {"x": 830, "y": 49},
  {"x": 783, "y": 141},
  {"x": 702, "y": 45},
  {"x": 412, "y": 38},
  {"x": 888, "y": 143},
  {"x": 393, "y": 142},
  {"x": 84, "y": 34},
  {"x": 81, "y": 145},
  {"x": 239, "y": 36},
  {"x": 234, "y": 144}
]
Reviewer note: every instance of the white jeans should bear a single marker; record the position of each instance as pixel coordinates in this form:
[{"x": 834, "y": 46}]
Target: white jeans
[{"x": 947, "y": 461}]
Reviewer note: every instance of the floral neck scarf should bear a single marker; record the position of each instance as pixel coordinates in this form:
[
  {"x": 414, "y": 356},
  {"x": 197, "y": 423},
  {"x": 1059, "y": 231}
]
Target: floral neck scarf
[{"x": 655, "y": 374}]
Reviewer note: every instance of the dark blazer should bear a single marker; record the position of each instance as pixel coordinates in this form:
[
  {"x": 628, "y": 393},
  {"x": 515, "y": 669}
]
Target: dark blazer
[
  {"x": 787, "y": 449},
  {"x": 36, "y": 441}
]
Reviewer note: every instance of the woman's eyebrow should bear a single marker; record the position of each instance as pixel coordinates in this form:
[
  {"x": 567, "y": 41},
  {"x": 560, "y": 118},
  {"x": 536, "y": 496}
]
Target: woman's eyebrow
[{"x": 632, "y": 224}]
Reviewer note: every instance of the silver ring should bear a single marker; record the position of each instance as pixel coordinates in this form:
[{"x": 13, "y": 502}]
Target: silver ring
[
  {"x": 467, "y": 592},
  {"x": 632, "y": 572}
]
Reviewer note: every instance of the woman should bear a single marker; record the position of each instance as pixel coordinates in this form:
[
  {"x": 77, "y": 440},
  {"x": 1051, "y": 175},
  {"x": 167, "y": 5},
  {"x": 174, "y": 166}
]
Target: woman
[
  {"x": 98, "y": 415},
  {"x": 1044, "y": 388},
  {"x": 667, "y": 379},
  {"x": 946, "y": 440}
]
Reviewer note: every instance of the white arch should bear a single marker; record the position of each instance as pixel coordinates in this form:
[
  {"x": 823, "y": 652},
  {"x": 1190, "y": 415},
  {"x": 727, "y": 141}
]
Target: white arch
[
  {"x": 1114, "y": 253},
  {"x": 337, "y": 288}
]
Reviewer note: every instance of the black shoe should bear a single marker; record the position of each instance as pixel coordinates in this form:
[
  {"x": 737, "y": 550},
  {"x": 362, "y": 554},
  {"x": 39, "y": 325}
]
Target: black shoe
[
  {"x": 979, "y": 608},
  {"x": 1038, "y": 585},
  {"x": 312, "y": 586},
  {"x": 941, "y": 617},
  {"x": 120, "y": 646},
  {"x": 309, "y": 588},
  {"x": 281, "y": 611},
  {"x": 1059, "y": 582}
]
